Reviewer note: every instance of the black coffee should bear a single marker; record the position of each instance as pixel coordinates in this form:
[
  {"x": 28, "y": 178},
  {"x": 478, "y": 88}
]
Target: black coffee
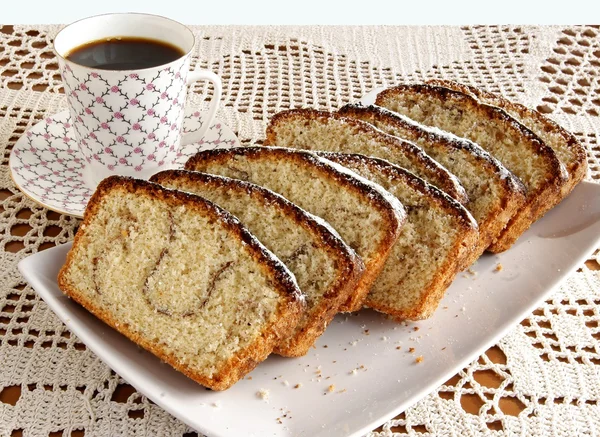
[{"x": 124, "y": 53}]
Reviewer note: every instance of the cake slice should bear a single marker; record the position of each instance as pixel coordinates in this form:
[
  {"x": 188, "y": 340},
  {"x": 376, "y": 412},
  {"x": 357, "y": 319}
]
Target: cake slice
[
  {"x": 366, "y": 216},
  {"x": 327, "y": 270},
  {"x": 515, "y": 146},
  {"x": 494, "y": 193},
  {"x": 435, "y": 243},
  {"x": 182, "y": 278},
  {"x": 568, "y": 150},
  {"x": 309, "y": 129}
]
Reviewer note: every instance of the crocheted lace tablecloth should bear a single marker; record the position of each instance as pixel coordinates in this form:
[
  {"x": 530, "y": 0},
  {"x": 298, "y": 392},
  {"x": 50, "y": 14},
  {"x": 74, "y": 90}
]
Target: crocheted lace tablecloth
[{"x": 543, "y": 378}]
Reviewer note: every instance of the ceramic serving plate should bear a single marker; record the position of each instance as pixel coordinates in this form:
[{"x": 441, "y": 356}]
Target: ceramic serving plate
[{"x": 360, "y": 372}]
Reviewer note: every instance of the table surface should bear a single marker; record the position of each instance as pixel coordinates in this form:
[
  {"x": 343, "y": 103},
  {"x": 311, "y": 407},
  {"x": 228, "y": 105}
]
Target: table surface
[{"x": 51, "y": 385}]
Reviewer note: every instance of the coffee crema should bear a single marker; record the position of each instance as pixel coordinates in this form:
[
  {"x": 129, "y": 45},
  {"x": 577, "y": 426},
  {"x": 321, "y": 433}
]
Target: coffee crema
[{"x": 124, "y": 53}]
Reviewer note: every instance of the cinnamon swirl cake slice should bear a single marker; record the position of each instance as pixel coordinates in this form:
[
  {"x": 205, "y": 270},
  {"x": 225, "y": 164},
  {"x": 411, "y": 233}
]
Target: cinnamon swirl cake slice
[
  {"x": 309, "y": 129},
  {"x": 494, "y": 193},
  {"x": 521, "y": 151},
  {"x": 182, "y": 278},
  {"x": 366, "y": 216},
  {"x": 435, "y": 243},
  {"x": 327, "y": 270},
  {"x": 566, "y": 146}
]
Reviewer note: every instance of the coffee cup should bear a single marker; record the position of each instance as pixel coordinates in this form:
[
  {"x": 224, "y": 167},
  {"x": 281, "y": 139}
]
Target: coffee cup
[{"x": 128, "y": 118}]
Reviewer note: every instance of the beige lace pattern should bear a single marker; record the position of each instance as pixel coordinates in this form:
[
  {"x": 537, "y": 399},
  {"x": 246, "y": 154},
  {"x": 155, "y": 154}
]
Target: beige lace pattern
[{"x": 543, "y": 378}]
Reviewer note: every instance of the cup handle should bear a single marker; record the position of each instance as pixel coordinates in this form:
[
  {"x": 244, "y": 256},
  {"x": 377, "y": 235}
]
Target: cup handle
[{"x": 194, "y": 76}]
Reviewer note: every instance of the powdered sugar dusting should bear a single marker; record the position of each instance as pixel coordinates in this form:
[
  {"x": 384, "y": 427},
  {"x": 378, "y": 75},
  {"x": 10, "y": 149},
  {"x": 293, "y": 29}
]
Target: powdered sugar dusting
[{"x": 388, "y": 197}]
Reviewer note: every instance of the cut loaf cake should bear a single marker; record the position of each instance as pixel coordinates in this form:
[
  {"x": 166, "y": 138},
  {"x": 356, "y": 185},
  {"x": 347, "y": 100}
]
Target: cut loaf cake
[
  {"x": 182, "y": 278},
  {"x": 435, "y": 242},
  {"x": 494, "y": 193},
  {"x": 309, "y": 129},
  {"x": 515, "y": 146},
  {"x": 569, "y": 151},
  {"x": 327, "y": 270},
  {"x": 366, "y": 216}
]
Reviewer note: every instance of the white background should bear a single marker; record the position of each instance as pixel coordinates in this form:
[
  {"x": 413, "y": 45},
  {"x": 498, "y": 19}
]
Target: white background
[{"x": 312, "y": 11}]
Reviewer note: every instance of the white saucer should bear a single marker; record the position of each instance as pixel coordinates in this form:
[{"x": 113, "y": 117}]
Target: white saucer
[{"x": 45, "y": 163}]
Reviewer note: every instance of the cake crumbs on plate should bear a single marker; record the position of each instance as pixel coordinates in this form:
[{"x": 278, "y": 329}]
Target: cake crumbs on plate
[
  {"x": 411, "y": 350},
  {"x": 416, "y": 328},
  {"x": 263, "y": 394},
  {"x": 398, "y": 347},
  {"x": 216, "y": 404},
  {"x": 419, "y": 359},
  {"x": 298, "y": 385},
  {"x": 331, "y": 388},
  {"x": 498, "y": 268},
  {"x": 286, "y": 383}
]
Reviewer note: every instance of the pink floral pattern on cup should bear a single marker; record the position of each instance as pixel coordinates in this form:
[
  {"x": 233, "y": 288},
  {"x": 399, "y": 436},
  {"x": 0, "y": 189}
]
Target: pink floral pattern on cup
[
  {"x": 122, "y": 118},
  {"x": 46, "y": 163}
]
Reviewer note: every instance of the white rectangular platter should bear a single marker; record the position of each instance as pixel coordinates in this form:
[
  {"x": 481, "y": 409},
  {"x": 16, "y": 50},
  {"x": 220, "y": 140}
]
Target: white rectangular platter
[{"x": 371, "y": 379}]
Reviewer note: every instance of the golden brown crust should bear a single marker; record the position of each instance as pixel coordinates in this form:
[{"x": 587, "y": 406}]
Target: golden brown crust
[
  {"x": 460, "y": 253},
  {"x": 540, "y": 198},
  {"x": 288, "y": 311},
  {"x": 576, "y": 165},
  {"x": 464, "y": 152},
  {"x": 426, "y": 166},
  {"x": 348, "y": 264},
  {"x": 394, "y": 215}
]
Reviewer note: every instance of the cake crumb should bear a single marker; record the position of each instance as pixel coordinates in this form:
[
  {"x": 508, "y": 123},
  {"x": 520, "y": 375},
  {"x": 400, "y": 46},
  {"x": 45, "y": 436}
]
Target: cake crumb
[
  {"x": 416, "y": 328},
  {"x": 398, "y": 347},
  {"x": 419, "y": 359},
  {"x": 331, "y": 388},
  {"x": 411, "y": 350},
  {"x": 249, "y": 378},
  {"x": 216, "y": 404},
  {"x": 353, "y": 372},
  {"x": 286, "y": 383},
  {"x": 298, "y": 386},
  {"x": 263, "y": 394},
  {"x": 498, "y": 268}
]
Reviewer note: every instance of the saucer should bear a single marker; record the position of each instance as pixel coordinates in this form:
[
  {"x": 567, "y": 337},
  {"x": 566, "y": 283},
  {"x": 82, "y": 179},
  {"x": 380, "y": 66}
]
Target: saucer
[{"x": 46, "y": 165}]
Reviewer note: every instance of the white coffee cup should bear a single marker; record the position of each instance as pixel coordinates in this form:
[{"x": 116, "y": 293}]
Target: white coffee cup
[{"x": 129, "y": 122}]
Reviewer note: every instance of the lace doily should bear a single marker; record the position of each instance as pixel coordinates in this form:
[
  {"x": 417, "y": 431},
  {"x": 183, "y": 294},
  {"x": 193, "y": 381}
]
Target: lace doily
[{"x": 543, "y": 378}]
